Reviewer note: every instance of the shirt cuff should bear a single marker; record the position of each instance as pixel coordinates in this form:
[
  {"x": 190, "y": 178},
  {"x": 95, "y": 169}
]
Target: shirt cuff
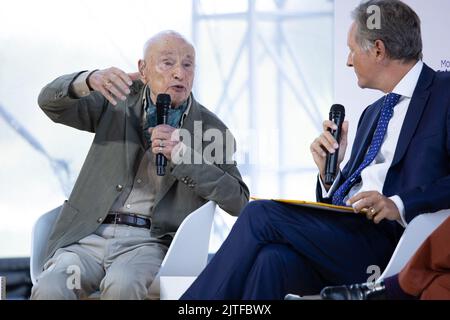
[
  {"x": 325, "y": 193},
  {"x": 79, "y": 86},
  {"x": 401, "y": 208}
]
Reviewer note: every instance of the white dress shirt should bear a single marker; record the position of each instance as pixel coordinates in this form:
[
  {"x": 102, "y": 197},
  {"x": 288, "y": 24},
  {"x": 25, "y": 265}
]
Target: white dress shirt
[{"x": 374, "y": 175}]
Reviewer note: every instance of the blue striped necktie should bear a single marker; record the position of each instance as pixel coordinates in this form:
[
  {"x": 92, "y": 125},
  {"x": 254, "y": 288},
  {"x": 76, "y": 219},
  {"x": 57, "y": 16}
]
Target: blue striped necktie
[{"x": 387, "y": 110}]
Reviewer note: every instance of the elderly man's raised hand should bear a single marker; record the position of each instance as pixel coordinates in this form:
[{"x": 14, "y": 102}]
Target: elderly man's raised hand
[{"x": 112, "y": 83}]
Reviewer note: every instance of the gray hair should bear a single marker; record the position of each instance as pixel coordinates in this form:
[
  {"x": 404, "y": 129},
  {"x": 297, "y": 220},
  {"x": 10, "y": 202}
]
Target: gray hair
[
  {"x": 399, "y": 29},
  {"x": 160, "y": 35}
]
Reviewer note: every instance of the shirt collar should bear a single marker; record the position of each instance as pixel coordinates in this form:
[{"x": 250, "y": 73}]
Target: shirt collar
[{"x": 408, "y": 84}]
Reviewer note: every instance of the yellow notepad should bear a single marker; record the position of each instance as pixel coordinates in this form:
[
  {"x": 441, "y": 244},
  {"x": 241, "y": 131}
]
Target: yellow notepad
[{"x": 310, "y": 204}]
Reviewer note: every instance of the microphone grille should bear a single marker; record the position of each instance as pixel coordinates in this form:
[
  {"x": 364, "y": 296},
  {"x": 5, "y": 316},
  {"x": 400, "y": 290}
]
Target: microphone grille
[
  {"x": 163, "y": 99},
  {"x": 337, "y": 108}
]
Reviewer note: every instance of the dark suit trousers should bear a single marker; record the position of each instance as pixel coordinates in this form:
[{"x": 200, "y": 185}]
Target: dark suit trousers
[
  {"x": 427, "y": 274},
  {"x": 274, "y": 249}
]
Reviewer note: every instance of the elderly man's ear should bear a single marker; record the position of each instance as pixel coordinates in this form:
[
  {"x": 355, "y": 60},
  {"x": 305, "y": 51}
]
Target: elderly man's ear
[{"x": 141, "y": 66}]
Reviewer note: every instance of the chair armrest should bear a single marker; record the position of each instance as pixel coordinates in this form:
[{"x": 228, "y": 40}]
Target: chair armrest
[
  {"x": 39, "y": 239},
  {"x": 188, "y": 252},
  {"x": 414, "y": 235}
]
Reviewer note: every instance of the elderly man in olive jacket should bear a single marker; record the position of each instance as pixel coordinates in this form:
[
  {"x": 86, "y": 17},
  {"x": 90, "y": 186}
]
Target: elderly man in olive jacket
[{"x": 120, "y": 218}]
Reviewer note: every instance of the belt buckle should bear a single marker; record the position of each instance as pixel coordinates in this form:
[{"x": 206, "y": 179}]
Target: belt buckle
[
  {"x": 131, "y": 219},
  {"x": 117, "y": 218}
]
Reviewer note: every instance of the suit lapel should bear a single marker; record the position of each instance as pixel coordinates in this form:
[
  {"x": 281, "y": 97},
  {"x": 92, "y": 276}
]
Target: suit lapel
[
  {"x": 189, "y": 125},
  {"x": 415, "y": 110},
  {"x": 136, "y": 110},
  {"x": 364, "y": 137},
  {"x": 134, "y": 139}
]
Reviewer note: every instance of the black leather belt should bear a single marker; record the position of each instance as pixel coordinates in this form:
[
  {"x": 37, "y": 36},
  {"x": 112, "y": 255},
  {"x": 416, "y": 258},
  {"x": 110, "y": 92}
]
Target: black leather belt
[{"x": 128, "y": 219}]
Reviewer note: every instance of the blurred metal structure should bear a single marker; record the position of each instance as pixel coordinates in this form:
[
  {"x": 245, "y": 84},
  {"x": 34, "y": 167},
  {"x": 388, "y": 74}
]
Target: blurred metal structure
[
  {"x": 254, "y": 47},
  {"x": 60, "y": 167}
]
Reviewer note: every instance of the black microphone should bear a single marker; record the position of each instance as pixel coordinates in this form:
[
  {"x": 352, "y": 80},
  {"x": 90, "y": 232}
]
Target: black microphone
[
  {"x": 337, "y": 115},
  {"x": 162, "y": 109}
]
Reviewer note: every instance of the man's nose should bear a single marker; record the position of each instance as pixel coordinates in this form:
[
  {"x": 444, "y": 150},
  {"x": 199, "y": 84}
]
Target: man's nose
[
  {"x": 350, "y": 60},
  {"x": 178, "y": 72}
]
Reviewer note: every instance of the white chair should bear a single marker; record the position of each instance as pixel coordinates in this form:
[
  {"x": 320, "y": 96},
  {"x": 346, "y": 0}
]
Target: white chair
[
  {"x": 185, "y": 259},
  {"x": 198, "y": 238},
  {"x": 39, "y": 239},
  {"x": 414, "y": 235},
  {"x": 187, "y": 255}
]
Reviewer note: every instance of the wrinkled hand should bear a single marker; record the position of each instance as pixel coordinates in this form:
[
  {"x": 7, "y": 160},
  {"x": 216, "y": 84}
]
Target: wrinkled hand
[
  {"x": 112, "y": 83},
  {"x": 164, "y": 140},
  {"x": 326, "y": 142},
  {"x": 375, "y": 206}
]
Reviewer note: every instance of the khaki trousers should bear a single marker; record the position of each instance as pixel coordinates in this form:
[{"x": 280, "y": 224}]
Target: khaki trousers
[{"x": 119, "y": 260}]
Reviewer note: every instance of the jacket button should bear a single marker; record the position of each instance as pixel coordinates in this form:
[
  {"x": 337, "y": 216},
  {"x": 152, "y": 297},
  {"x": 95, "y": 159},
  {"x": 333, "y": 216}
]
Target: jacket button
[
  {"x": 119, "y": 187},
  {"x": 99, "y": 220}
]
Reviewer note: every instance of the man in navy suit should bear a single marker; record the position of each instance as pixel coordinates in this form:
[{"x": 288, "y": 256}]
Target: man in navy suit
[{"x": 399, "y": 168}]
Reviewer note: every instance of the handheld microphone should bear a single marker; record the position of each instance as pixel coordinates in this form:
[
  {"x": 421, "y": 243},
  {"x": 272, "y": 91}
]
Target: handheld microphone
[
  {"x": 337, "y": 115},
  {"x": 162, "y": 109}
]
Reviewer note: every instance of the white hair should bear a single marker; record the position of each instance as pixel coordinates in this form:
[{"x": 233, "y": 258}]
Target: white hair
[{"x": 161, "y": 35}]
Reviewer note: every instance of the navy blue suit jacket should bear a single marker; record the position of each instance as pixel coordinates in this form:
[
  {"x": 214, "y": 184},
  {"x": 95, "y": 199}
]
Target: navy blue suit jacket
[{"x": 420, "y": 171}]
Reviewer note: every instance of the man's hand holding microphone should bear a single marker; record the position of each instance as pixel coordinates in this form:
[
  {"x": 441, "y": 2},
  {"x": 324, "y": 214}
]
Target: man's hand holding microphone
[
  {"x": 328, "y": 151},
  {"x": 327, "y": 144}
]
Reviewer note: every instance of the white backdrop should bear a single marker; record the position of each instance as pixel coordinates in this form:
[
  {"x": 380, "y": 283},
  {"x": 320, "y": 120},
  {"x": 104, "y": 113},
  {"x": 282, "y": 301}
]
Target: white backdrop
[
  {"x": 435, "y": 24},
  {"x": 40, "y": 40}
]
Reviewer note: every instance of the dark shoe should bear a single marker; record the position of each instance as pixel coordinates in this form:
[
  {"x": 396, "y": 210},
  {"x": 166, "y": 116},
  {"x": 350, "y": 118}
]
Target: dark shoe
[{"x": 363, "y": 291}]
